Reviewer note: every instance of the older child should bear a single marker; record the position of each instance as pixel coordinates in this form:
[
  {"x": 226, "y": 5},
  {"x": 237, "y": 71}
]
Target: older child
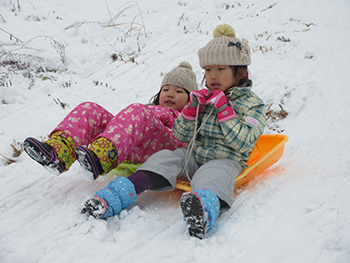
[
  {"x": 134, "y": 134},
  {"x": 220, "y": 124}
]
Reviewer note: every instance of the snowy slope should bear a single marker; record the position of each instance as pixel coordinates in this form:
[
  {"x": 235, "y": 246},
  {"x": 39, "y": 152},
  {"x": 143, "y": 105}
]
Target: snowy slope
[{"x": 297, "y": 211}]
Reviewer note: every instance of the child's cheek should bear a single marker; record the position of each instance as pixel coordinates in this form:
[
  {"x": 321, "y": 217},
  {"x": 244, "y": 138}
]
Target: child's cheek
[
  {"x": 161, "y": 100},
  {"x": 183, "y": 102}
]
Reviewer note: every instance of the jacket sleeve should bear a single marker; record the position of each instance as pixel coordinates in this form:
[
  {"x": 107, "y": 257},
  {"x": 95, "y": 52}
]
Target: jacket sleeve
[
  {"x": 241, "y": 132},
  {"x": 165, "y": 115},
  {"x": 183, "y": 129}
]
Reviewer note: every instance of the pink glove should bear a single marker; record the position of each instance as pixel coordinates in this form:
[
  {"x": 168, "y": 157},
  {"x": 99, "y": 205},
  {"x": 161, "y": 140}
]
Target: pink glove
[
  {"x": 196, "y": 97},
  {"x": 219, "y": 100},
  {"x": 201, "y": 95},
  {"x": 165, "y": 115}
]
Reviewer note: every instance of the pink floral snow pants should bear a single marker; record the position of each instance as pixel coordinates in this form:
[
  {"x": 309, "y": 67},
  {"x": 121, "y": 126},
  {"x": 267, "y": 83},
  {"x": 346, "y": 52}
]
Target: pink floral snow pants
[{"x": 136, "y": 132}]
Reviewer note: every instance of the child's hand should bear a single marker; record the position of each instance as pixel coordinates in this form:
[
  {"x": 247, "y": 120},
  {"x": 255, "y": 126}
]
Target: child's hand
[
  {"x": 199, "y": 95},
  {"x": 167, "y": 116},
  {"x": 196, "y": 97},
  {"x": 219, "y": 100}
]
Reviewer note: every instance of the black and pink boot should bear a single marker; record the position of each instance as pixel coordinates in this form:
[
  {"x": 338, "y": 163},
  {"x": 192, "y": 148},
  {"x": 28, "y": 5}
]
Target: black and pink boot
[{"x": 43, "y": 154}]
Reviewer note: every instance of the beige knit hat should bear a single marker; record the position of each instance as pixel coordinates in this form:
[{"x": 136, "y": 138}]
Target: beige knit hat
[
  {"x": 225, "y": 49},
  {"x": 181, "y": 76}
]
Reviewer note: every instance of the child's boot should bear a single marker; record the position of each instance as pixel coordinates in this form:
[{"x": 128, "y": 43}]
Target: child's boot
[
  {"x": 110, "y": 201},
  {"x": 56, "y": 154},
  {"x": 100, "y": 158},
  {"x": 89, "y": 162},
  {"x": 200, "y": 209}
]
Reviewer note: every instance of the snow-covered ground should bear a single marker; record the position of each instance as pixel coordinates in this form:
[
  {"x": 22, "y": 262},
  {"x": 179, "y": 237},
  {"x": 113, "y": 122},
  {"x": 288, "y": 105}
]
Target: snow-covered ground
[{"x": 296, "y": 211}]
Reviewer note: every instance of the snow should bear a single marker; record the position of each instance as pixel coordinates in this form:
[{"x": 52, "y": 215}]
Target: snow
[{"x": 296, "y": 211}]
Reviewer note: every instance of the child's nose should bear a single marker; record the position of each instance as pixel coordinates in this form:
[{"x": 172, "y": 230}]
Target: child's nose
[
  {"x": 213, "y": 76},
  {"x": 214, "y": 73}
]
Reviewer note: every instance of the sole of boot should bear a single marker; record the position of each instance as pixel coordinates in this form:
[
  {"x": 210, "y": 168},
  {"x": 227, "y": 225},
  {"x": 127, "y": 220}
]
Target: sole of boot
[
  {"x": 94, "y": 208},
  {"x": 41, "y": 155},
  {"x": 193, "y": 210},
  {"x": 88, "y": 163}
]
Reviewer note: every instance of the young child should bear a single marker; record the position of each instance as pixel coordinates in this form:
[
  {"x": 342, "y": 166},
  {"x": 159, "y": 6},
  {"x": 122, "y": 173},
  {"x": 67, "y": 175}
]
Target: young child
[
  {"x": 220, "y": 124},
  {"x": 133, "y": 134}
]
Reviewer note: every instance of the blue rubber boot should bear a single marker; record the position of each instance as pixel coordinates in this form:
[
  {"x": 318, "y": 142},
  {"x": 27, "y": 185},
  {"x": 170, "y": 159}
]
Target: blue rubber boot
[
  {"x": 110, "y": 201},
  {"x": 200, "y": 209}
]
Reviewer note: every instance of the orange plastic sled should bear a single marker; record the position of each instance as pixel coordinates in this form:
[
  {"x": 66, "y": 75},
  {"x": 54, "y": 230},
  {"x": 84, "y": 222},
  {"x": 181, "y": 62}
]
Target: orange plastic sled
[{"x": 268, "y": 150}]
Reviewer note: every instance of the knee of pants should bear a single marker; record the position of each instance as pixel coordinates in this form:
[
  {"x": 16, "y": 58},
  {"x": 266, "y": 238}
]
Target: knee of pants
[
  {"x": 137, "y": 109},
  {"x": 167, "y": 155},
  {"x": 88, "y": 105},
  {"x": 217, "y": 175}
]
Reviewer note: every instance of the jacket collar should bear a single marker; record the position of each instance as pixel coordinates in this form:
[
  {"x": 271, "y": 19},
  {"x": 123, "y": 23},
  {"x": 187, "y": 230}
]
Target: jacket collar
[{"x": 243, "y": 89}]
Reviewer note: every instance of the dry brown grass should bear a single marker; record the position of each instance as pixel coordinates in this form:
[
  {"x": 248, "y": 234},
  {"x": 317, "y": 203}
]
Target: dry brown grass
[
  {"x": 17, "y": 150},
  {"x": 275, "y": 115},
  {"x": 133, "y": 25}
]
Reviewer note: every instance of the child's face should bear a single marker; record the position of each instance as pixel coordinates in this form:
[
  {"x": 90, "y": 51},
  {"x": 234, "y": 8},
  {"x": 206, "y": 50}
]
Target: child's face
[
  {"x": 219, "y": 77},
  {"x": 173, "y": 97}
]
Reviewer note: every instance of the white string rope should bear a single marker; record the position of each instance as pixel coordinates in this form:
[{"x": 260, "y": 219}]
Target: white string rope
[{"x": 192, "y": 141}]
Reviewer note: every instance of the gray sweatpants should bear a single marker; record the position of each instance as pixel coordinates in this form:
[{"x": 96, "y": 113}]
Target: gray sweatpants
[{"x": 217, "y": 175}]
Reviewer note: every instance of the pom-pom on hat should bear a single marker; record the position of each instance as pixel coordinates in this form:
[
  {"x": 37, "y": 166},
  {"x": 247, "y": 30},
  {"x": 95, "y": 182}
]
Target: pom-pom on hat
[
  {"x": 181, "y": 76},
  {"x": 225, "y": 49}
]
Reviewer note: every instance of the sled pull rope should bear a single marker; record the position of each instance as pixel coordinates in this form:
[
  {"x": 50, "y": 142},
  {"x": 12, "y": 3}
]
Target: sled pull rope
[{"x": 191, "y": 143}]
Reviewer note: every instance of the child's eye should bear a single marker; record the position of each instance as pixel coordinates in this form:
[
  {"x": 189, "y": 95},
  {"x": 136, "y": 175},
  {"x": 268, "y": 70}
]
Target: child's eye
[{"x": 180, "y": 91}]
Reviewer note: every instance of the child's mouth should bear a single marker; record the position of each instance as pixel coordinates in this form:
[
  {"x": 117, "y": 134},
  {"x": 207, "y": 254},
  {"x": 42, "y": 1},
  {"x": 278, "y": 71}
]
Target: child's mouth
[{"x": 215, "y": 85}]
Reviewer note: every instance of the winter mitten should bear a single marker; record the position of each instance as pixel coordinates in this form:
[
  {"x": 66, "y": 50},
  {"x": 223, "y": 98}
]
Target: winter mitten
[
  {"x": 200, "y": 209},
  {"x": 110, "y": 201},
  {"x": 196, "y": 97},
  {"x": 219, "y": 100},
  {"x": 165, "y": 115},
  {"x": 43, "y": 154}
]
